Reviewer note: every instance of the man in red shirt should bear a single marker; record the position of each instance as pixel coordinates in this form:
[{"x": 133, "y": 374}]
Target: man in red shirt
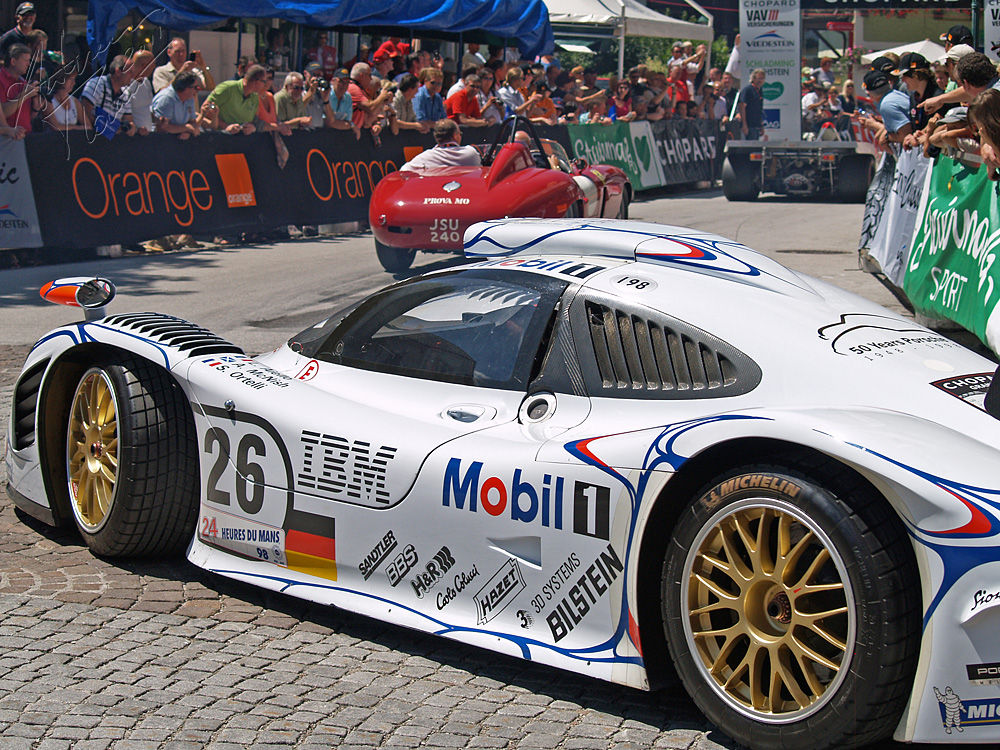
[
  {"x": 16, "y": 94},
  {"x": 366, "y": 110},
  {"x": 463, "y": 107}
]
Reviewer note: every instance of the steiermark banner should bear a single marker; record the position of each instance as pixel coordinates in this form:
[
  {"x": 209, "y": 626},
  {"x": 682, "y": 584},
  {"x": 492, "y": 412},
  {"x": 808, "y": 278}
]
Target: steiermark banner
[
  {"x": 628, "y": 145},
  {"x": 770, "y": 39},
  {"x": 953, "y": 271}
]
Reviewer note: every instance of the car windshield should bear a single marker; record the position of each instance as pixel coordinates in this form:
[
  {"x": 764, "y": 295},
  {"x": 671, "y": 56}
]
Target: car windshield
[{"x": 473, "y": 328}]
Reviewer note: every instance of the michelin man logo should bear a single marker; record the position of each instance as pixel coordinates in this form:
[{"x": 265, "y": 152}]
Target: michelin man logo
[{"x": 953, "y": 709}]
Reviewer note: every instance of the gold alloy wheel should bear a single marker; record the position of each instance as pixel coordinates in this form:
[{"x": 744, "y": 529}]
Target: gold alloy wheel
[
  {"x": 92, "y": 449},
  {"x": 770, "y": 621}
]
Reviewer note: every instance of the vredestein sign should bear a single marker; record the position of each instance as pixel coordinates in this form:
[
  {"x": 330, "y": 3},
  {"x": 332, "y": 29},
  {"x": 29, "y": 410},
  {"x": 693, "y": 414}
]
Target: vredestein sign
[{"x": 770, "y": 34}]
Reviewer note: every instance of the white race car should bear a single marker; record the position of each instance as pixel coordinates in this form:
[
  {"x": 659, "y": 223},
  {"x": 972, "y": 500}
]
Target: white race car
[{"x": 601, "y": 445}]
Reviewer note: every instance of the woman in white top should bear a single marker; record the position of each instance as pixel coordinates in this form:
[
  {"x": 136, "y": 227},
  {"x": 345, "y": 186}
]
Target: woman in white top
[
  {"x": 66, "y": 112},
  {"x": 490, "y": 106}
]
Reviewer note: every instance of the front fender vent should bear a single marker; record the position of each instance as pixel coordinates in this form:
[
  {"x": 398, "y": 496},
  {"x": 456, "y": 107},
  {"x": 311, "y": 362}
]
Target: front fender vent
[
  {"x": 639, "y": 356},
  {"x": 174, "y": 332},
  {"x": 26, "y": 405}
]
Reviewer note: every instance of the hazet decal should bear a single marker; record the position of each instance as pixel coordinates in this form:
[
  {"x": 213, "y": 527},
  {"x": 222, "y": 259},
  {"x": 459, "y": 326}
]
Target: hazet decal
[{"x": 498, "y": 592}]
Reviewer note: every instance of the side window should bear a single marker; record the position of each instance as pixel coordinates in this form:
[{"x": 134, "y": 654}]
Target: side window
[{"x": 472, "y": 328}]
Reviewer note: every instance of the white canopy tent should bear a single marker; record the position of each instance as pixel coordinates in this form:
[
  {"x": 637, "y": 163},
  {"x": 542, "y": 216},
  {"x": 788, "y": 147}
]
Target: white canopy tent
[
  {"x": 627, "y": 18},
  {"x": 930, "y": 50}
]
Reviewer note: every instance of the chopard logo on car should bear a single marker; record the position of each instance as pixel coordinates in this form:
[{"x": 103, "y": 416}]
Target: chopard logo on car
[
  {"x": 378, "y": 555},
  {"x": 523, "y": 501},
  {"x": 343, "y": 469},
  {"x": 498, "y": 592}
]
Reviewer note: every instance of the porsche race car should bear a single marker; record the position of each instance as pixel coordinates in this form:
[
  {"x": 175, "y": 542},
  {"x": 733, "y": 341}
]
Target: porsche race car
[
  {"x": 604, "y": 446},
  {"x": 521, "y": 175}
]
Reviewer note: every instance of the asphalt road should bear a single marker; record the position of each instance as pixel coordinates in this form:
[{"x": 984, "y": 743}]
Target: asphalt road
[{"x": 138, "y": 654}]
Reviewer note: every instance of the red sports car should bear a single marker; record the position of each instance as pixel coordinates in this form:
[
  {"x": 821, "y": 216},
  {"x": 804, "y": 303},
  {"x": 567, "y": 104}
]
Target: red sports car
[{"x": 430, "y": 209}]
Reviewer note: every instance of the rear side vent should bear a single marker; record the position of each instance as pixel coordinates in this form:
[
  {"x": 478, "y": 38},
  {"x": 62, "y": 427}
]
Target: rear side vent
[
  {"x": 639, "y": 356},
  {"x": 26, "y": 405},
  {"x": 174, "y": 332}
]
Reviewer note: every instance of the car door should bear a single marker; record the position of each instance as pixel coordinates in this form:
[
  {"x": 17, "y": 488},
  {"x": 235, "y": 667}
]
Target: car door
[{"x": 409, "y": 370}]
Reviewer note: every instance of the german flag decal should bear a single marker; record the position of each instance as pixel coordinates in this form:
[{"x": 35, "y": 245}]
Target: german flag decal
[{"x": 310, "y": 545}]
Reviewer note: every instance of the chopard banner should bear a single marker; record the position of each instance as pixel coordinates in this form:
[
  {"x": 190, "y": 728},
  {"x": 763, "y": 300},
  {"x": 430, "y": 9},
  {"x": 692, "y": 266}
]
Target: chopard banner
[
  {"x": 689, "y": 150},
  {"x": 953, "y": 271},
  {"x": 653, "y": 153},
  {"x": 18, "y": 222},
  {"x": 891, "y": 244}
]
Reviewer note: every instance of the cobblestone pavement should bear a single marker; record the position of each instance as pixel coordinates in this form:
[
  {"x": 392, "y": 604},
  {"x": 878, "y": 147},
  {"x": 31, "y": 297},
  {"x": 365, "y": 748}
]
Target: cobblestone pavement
[{"x": 129, "y": 655}]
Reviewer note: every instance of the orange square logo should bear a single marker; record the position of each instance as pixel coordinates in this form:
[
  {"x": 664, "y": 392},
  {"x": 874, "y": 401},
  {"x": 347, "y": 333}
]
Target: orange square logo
[{"x": 235, "y": 173}]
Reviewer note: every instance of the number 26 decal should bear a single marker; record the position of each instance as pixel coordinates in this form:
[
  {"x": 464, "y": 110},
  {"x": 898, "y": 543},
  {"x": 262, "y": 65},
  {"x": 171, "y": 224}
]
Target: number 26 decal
[{"x": 249, "y": 474}]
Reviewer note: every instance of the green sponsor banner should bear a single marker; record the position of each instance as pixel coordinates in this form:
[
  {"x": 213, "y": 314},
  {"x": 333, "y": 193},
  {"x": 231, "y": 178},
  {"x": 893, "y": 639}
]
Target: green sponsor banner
[
  {"x": 952, "y": 271},
  {"x": 628, "y": 145}
]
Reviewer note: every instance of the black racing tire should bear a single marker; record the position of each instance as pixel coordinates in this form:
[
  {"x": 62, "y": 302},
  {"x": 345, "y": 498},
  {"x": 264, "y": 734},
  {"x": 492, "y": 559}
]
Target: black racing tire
[
  {"x": 131, "y": 459},
  {"x": 739, "y": 621},
  {"x": 394, "y": 259},
  {"x": 740, "y": 179},
  {"x": 854, "y": 174}
]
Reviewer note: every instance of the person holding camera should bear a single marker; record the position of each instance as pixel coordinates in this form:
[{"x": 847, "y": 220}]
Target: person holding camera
[
  {"x": 178, "y": 59},
  {"x": 367, "y": 110},
  {"x": 106, "y": 100},
  {"x": 17, "y": 95},
  {"x": 317, "y": 97},
  {"x": 402, "y": 103}
]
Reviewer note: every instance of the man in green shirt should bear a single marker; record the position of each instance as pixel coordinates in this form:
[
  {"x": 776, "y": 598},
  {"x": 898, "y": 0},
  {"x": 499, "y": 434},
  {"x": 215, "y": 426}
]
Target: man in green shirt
[
  {"x": 289, "y": 104},
  {"x": 237, "y": 101}
]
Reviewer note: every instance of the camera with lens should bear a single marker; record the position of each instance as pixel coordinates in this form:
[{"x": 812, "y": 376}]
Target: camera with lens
[
  {"x": 323, "y": 84},
  {"x": 392, "y": 88}
]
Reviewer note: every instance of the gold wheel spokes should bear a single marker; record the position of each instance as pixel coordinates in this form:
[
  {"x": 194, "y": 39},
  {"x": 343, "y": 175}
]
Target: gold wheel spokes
[
  {"x": 92, "y": 449},
  {"x": 769, "y": 609}
]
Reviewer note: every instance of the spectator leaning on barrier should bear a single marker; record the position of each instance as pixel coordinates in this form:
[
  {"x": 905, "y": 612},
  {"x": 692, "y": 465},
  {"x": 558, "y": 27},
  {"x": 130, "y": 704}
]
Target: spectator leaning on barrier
[
  {"x": 402, "y": 102},
  {"x": 893, "y": 106},
  {"x": 366, "y": 109},
  {"x": 237, "y": 101},
  {"x": 289, "y": 105},
  {"x": 177, "y": 60},
  {"x": 984, "y": 117},
  {"x": 975, "y": 73},
  {"x": 428, "y": 105},
  {"x": 316, "y": 96},
  {"x": 752, "y": 106},
  {"x": 449, "y": 151},
  {"x": 950, "y": 62},
  {"x": 17, "y": 96},
  {"x": 109, "y": 93},
  {"x": 24, "y": 18},
  {"x": 140, "y": 90},
  {"x": 173, "y": 108},
  {"x": 65, "y": 111},
  {"x": 267, "y": 110},
  {"x": 463, "y": 106},
  {"x": 341, "y": 103}
]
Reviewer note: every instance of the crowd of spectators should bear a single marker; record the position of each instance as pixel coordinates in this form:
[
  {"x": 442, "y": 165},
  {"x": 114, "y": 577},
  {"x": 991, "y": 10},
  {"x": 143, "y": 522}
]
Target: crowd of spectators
[
  {"x": 952, "y": 103},
  {"x": 391, "y": 87}
]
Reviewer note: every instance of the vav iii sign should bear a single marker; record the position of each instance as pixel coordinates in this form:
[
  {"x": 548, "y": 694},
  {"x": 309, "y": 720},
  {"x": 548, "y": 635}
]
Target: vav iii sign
[{"x": 770, "y": 39}]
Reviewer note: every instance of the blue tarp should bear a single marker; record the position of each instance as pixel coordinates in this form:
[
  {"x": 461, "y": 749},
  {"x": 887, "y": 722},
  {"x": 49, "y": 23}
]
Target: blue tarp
[{"x": 527, "y": 21}]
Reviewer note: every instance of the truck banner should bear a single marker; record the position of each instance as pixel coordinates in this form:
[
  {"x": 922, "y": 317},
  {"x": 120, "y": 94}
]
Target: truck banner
[
  {"x": 952, "y": 271},
  {"x": 771, "y": 39},
  {"x": 17, "y": 201},
  {"x": 991, "y": 28},
  {"x": 891, "y": 244}
]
